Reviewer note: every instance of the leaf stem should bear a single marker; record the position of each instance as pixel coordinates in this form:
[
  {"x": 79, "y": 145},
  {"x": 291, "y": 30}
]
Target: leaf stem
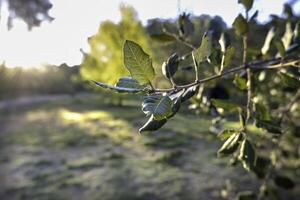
[
  {"x": 249, "y": 81},
  {"x": 222, "y": 62},
  {"x": 196, "y": 68}
]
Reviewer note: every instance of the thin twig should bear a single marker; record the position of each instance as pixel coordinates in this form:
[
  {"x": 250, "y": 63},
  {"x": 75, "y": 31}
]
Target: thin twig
[
  {"x": 180, "y": 39},
  {"x": 196, "y": 68},
  {"x": 249, "y": 81},
  {"x": 264, "y": 66}
]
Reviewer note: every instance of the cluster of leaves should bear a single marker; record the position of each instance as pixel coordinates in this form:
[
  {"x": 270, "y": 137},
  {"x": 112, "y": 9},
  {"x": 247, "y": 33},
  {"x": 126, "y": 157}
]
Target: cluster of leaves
[
  {"x": 32, "y": 12},
  {"x": 100, "y": 63},
  {"x": 159, "y": 105}
]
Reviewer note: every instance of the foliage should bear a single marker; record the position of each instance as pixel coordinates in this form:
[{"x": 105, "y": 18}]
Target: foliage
[
  {"x": 279, "y": 53},
  {"x": 104, "y": 61},
  {"x": 32, "y": 12}
]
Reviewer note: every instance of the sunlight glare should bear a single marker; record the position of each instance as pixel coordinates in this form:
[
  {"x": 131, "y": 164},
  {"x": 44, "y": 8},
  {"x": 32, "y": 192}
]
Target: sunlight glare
[{"x": 60, "y": 41}]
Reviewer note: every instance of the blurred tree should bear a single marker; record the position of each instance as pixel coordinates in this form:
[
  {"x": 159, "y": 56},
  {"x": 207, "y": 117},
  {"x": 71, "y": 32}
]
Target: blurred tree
[
  {"x": 104, "y": 62},
  {"x": 49, "y": 79},
  {"x": 32, "y": 12}
]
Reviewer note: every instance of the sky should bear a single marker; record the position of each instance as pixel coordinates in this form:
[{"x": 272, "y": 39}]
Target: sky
[{"x": 61, "y": 40}]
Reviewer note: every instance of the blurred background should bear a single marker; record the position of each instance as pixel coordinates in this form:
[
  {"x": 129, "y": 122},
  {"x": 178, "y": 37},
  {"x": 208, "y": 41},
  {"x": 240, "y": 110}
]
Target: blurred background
[{"x": 63, "y": 138}]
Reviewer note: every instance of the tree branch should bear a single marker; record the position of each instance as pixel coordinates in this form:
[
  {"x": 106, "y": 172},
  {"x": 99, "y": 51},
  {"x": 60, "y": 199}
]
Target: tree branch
[{"x": 262, "y": 66}]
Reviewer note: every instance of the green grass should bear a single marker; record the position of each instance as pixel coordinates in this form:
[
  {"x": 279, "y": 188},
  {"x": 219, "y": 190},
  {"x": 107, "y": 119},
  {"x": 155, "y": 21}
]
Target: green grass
[{"x": 84, "y": 148}]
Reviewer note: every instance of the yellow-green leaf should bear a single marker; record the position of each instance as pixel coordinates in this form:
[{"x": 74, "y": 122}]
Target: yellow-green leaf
[
  {"x": 138, "y": 62},
  {"x": 204, "y": 51},
  {"x": 240, "y": 25}
]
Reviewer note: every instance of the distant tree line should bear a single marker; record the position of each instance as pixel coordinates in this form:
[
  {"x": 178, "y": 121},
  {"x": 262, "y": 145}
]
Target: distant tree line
[{"x": 18, "y": 81}]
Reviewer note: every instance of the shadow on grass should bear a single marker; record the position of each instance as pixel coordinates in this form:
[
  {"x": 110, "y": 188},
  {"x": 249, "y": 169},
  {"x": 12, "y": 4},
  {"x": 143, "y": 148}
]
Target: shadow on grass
[{"x": 83, "y": 149}]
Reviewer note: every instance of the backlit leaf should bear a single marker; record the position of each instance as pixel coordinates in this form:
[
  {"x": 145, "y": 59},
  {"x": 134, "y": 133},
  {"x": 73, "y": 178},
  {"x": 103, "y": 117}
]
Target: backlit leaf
[
  {"x": 240, "y": 25},
  {"x": 268, "y": 40},
  {"x": 118, "y": 89},
  {"x": 128, "y": 82},
  {"x": 287, "y": 38},
  {"x": 261, "y": 112},
  {"x": 170, "y": 67},
  {"x": 188, "y": 93},
  {"x": 152, "y": 124},
  {"x": 270, "y": 126},
  {"x": 224, "y": 41},
  {"x": 240, "y": 82},
  {"x": 229, "y": 54},
  {"x": 296, "y": 38},
  {"x": 226, "y": 105},
  {"x": 138, "y": 62},
  {"x": 230, "y": 145},
  {"x": 247, "y": 4},
  {"x": 163, "y": 37},
  {"x": 158, "y": 106},
  {"x": 280, "y": 47},
  {"x": 204, "y": 51},
  {"x": 224, "y": 134},
  {"x": 247, "y": 155}
]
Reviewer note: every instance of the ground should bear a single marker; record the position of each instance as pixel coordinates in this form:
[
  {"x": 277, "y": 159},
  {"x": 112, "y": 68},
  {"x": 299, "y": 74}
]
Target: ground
[{"x": 85, "y": 148}]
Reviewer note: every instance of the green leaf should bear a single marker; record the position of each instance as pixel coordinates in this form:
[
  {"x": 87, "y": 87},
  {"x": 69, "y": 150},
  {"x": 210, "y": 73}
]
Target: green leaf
[
  {"x": 242, "y": 118},
  {"x": 296, "y": 38},
  {"x": 247, "y": 155},
  {"x": 261, "y": 112},
  {"x": 284, "y": 182},
  {"x": 225, "y": 134},
  {"x": 226, "y": 105},
  {"x": 229, "y": 54},
  {"x": 170, "y": 67},
  {"x": 287, "y": 38},
  {"x": 254, "y": 16},
  {"x": 163, "y": 37},
  {"x": 175, "y": 107},
  {"x": 138, "y": 62},
  {"x": 118, "y": 89},
  {"x": 240, "y": 82},
  {"x": 290, "y": 80},
  {"x": 240, "y": 25},
  {"x": 247, "y": 4},
  {"x": 204, "y": 51},
  {"x": 159, "y": 106},
  {"x": 280, "y": 47},
  {"x": 230, "y": 145},
  {"x": 224, "y": 41},
  {"x": 215, "y": 57},
  {"x": 185, "y": 25},
  {"x": 288, "y": 11},
  {"x": 270, "y": 126},
  {"x": 188, "y": 93},
  {"x": 268, "y": 40},
  {"x": 246, "y": 195},
  {"x": 128, "y": 82},
  {"x": 152, "y": 124}
]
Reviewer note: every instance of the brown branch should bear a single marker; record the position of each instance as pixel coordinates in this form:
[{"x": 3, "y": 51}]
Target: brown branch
[{"x": 263, "y": 66}]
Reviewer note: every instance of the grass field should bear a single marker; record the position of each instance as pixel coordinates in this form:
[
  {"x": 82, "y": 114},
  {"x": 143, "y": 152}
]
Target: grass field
[{"x": 85, "y": 148}]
